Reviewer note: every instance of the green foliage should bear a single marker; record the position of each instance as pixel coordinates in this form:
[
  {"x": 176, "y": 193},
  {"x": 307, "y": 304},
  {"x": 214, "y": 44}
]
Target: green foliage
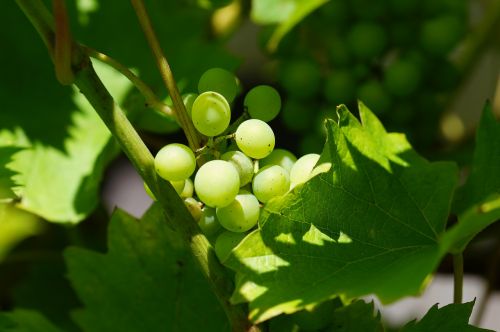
[
  {"x": 450, "y": 318},
  {"x": 147, "y": 281},
  {"x": 6, "y": 174},
  {"x": 357, "y": 316},
  {"x": 285, "y": 13},
  {"x": 477, "y": 203},
  {"x": 26, "y": 321},
  {"x": 331, "y": 236}
]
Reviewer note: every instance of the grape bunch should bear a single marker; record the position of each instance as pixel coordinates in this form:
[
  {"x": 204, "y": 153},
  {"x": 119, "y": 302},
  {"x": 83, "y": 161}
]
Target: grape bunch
[
  {"x": 243, "y": 172},
  {"x": 394, "y": 55}
]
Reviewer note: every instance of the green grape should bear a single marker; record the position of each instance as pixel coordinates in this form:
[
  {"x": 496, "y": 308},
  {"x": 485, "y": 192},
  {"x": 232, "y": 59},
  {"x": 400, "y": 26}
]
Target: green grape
[
  {"x": 296, "y": 117},
  {"x": 340, "y": 87},
  {"x": 193, "y": 207},
  {"x": 301, "y": 78},
  {"x": 241, "y": 215},
  {"x": 269, "y": 182},
  {"x": 338, "y": 52},
  {"x": 439, "y": 35},
  {"x": 367, "y": 40},
  {"x": 217, "y": 183},
  {"x": 148, "y": 191},
  {"x": 226, "y": 242},
  {"x": 211, "y": 113},
  {"x": 280, "y": 157},
  {"x": 242, "y": 163},
  {"x": 175, "y": 162},
  {"x": 187, "y": 189},
  {"x": 220, "y": 81},
  {"x": 208, "y": 221},
  {"x": 301, "y": 171},
  {"x": 402, "y": 78},
  {"x": 369, "y": 9},
  {"x": 374, "y": 95},
  {"x": 255, "y": 138},
  {"x": 405, "y": 8},
  {"x": 178, "y": 186},
  {"x": 263, "y": 102},
  {"x": 188, "y": 100},
  {"x": 336, "y": 11}
]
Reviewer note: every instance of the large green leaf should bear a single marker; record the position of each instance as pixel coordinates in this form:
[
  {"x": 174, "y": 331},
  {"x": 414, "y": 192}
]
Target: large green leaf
[
  {"x": 371, "y": 225},
  {"x": 6, "y": 174},
  {"x": 357, "y": 316},
  {"x": 477, "y": 203},
  {"x": 145, "y": 282},
  {"x": 450, "y": 318},
  {"x": 26, "y": 321},
  {"x": 285, "y": 13}
]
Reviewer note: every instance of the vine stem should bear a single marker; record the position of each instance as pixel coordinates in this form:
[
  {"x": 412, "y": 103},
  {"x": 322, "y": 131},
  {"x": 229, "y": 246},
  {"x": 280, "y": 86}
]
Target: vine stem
[
  {"x": 194, "y": 139},
  {"x": 458, "y": 277},
  {"x": 151, "y": 98},
  {"x": 176, "y": 214}
]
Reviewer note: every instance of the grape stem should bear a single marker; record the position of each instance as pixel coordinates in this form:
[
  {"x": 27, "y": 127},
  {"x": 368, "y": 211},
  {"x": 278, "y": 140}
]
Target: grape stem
[
  {"x": 176, "y": 214},
  {"x": 151, "y": 99},
  {"x": 458, "y": 277},
  {"x": 194, "y": 138}
]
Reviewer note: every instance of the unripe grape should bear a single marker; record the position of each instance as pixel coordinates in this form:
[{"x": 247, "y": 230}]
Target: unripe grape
[
  {"x": 269, "y": 182},
  {"x": 217, "y": 183},
  {"x": 301, "y": 171},
  {"x": 175, "y": 162},
  {"x": 221, "y": 81},
  {"x": 225, "y": 243},
  {"x": 242, "y": 163},
  {"x": 280, "y": 157},
  {"x": 241, "y": 215},
  {"x": 374, "y": 95},
  {"x": 402, "y": 77},
  {"x": 301, "y": 78},
  {"x": 263, "y": 102},
  {"x": 208, "y": 221},
  {"x": 255, "y": 138},
  {"x": 211, "y": 113},
  {"x": 188, "y": 189},
  {"x": 340, "y": 87},
  {"x": 367, "y": 40},
  {"x": 439, "y": 35},
  {"x": 188, "y": 100},
  {"x": 178, "y": 186}
]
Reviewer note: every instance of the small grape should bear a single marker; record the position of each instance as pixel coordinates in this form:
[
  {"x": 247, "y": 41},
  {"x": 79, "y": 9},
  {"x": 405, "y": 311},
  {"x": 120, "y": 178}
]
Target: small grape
[
  {"x": 269, "y": 182},
  {"x": 242, "y": 163},
  {"x": 301, "y": 171},
  {"x": 402, "y": 77},
  {"x": 188, "y": 189},
  {"x": 208, "y": 221},
  {"x": 226, "y": 242},
  {"x": 241, "y": 215},
  {"x": 255, "y": 138},
  {"x": 374, "y": 95},
  {"x": 301, "y": 78},
  {"x": 217, "y": 183},
  {"x": 178, "y": 186},
  {"x": 175, "y": 162},
  {"x": 439, "y": 35},
  {"x": 211, "y": 113},
  {"x": 367, "y": 40},
  {"x": 280, "y": 157},
  {"x": 193, "y": 207},
  {"x": 263, "y": 102},
  {"x": 188, "y": 100},
  {"x": 340, "y": 87},
  {"x": 221, "y": 81}
]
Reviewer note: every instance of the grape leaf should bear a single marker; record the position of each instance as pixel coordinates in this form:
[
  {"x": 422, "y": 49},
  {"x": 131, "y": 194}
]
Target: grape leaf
[
  {"x": 450, "y": 318},
  {"x": 477, "y": 203},
  {"x": 21, "y": 320},
  {"x": 6, "y": 174},
  {"x": 145, "y": 282},
  {"x": 371, "y": 225},
  {"x": 285, "y": 13},
  {"x": 357, "y": 316}
]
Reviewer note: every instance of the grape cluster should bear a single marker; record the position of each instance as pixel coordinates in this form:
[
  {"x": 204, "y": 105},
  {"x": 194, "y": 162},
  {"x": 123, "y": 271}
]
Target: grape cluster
[
  {"x": 229, "y": 190},
  {"x": 391, "y": 54}
]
